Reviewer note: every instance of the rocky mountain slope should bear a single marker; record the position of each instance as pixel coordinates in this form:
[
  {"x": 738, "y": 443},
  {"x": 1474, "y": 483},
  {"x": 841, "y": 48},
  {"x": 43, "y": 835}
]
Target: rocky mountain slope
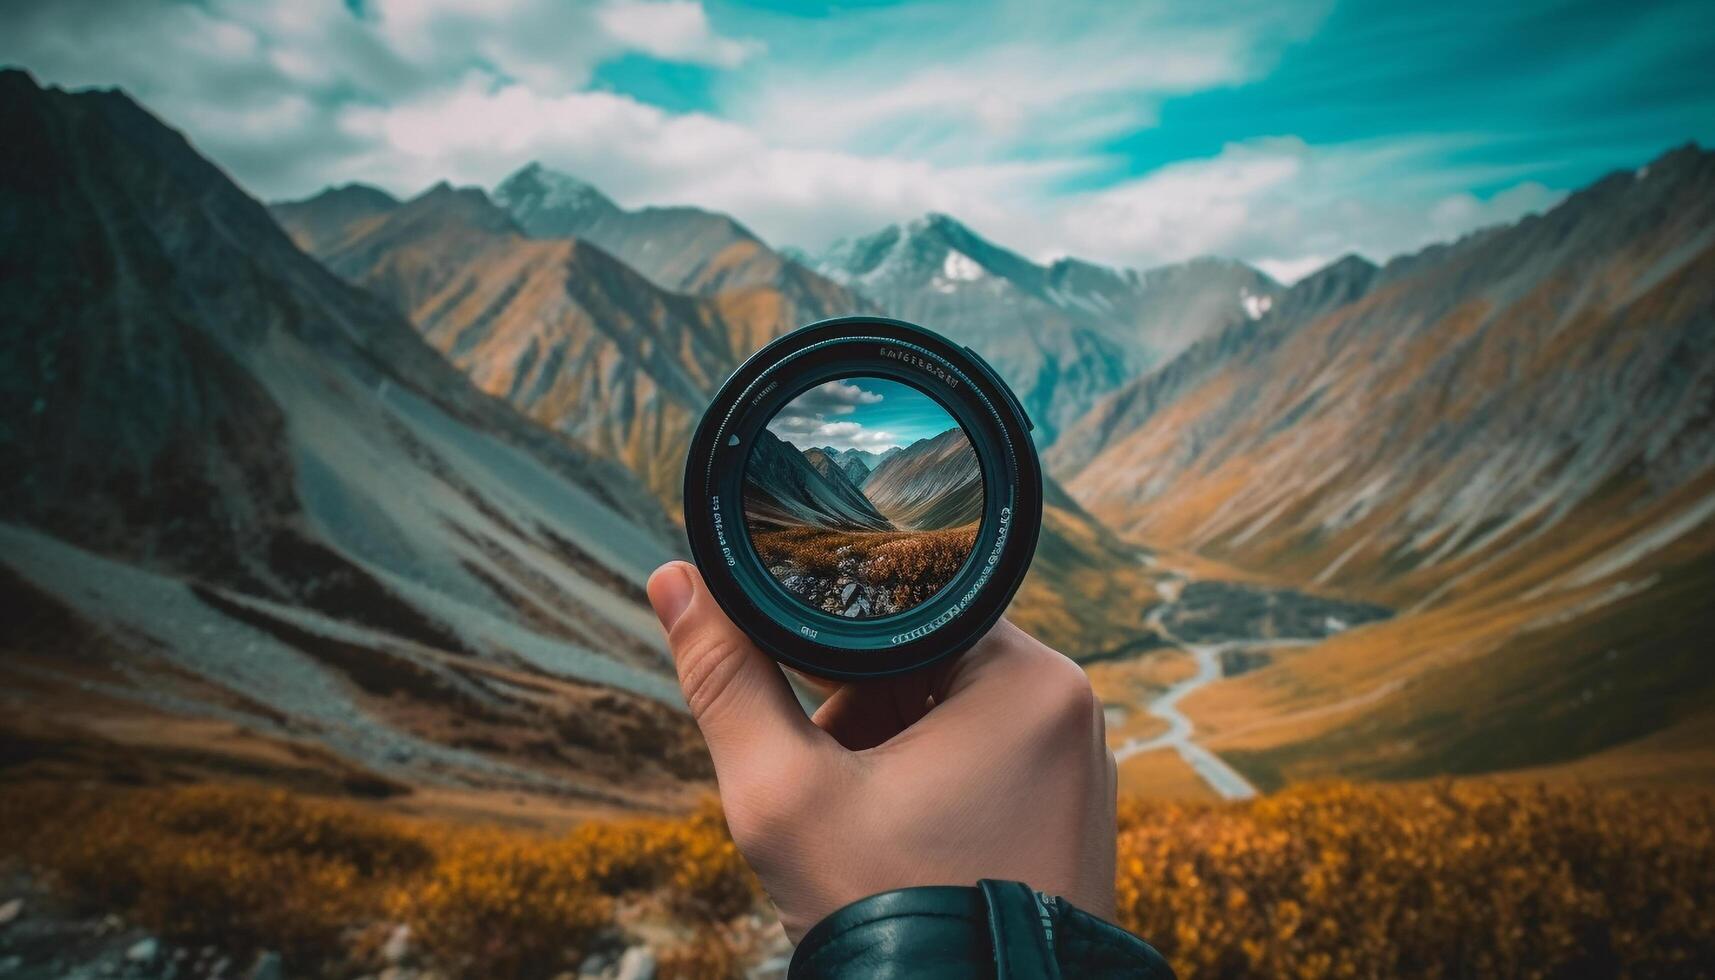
[
  {"x": 1509, "y": 434},
  {"x": 930, "y": 484},
  {"x": 1062, "y": 335},
  {"x": 568, "y": 334},
  {"x": 580, "y": 342},
  {"x": 786, "y": 488},
  {"x": 1461, "y": 404},
  {"x": 682, "y": 249},
  {"x": 869, "y": 460},
  {"x": 322, "y": 223},
  {"x": 252, "y": 523},
  {"x": 822, "y": 462},
  {"x": 855, "y": 469}
]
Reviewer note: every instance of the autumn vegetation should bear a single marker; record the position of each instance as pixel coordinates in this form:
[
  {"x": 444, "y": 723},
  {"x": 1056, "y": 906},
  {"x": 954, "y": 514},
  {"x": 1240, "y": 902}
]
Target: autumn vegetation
[
  {"x": 1461, "y": 879},
  {"x": 913, "y": 564}
]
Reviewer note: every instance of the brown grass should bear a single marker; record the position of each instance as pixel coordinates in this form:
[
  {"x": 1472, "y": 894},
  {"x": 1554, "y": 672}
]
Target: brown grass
[
  {"x": 247, "y": 869},
  {"x": 1471, "y": 879},
  {"x": 913, "y": 564},
  {"x": 1474, "y": 878}
]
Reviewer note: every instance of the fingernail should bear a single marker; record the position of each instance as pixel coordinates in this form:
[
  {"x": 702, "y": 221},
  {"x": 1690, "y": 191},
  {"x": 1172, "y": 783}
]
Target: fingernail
[{"x": 670, "y": 592}]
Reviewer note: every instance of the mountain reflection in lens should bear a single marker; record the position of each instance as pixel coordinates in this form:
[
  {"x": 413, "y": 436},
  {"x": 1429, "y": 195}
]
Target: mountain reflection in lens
[{"x": 863, "y": 497}]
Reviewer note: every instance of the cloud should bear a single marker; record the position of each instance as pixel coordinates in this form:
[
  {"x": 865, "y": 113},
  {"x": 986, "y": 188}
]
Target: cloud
[
  {"x": 808, "y": 432},
  {"x": 814, "y": 418},
  {"x": 833, "y": 398},
  {"x": 1289, "y": 207},
  {"x": 1007, "y": 115},
  {"x": 957, "y": 82},
  {"x": 677, "y": 30},
  {"x": 265, "y": 87},
  {"x": 480, "y": 130}
]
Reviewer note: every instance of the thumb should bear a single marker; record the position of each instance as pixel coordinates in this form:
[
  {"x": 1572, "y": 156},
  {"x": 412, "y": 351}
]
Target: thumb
[{"x": 736, "y": 694}]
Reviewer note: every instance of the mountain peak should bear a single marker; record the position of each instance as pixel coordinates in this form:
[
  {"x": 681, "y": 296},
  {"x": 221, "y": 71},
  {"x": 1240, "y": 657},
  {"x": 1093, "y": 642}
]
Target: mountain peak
[
  {"x": 317, "y": 224},
  {"x": 538, "y": 195},
  {"x": 941, "y": 221},
  {"x": 354, "y": 195},
  {"x": 460, "y": 205}
]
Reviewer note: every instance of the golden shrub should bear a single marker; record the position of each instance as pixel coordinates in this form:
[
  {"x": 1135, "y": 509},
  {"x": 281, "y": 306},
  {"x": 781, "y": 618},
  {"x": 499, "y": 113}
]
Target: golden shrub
[
  {"x": 243, "y": 869},
  {"x": 1447, "y": 880},
  {"x": 247, "y": 869},
  {"x": 706, "y": 957},
  {"x": 914, "y": 565},
  {"x": 501, "y": 904},
  {"x": 1455, "y": 879}
]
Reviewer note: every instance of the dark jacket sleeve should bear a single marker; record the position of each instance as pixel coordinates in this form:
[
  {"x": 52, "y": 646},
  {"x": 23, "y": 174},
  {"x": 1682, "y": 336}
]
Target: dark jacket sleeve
[{"x": 1000, "y": 929}]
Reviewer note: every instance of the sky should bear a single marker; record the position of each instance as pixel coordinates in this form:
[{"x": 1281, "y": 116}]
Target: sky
[
  {"x": 1284, "y": 133},
  {"x": 860, "y": 413}
]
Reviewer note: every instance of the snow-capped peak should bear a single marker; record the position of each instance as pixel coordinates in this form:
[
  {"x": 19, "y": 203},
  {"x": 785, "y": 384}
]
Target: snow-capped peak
[
  {"x": 538, "y": 188},
  {"x": 565, "y": 191},
  {"x": 959, "y": 267}
]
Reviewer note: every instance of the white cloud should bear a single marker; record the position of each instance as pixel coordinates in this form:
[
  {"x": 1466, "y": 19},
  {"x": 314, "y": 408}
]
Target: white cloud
[
  {"x": 810, "y": 433},
  {"x": 987, "y": 119},
  {"x": 955, "y": 83},
  {"x": 996, "y": 96},
  {"x": 833, "y": 398},
  {"x": 1285, "y": 206},
  {"x": 677, "y": 30},
  {"x": 479, "y": 131}
]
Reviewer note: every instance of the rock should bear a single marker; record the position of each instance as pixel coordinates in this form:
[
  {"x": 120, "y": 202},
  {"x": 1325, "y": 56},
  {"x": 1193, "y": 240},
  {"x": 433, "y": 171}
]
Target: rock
[
  {"x": 594, "y": 965},
  {"x": 144, "y": 950},
  {"x": 398, "y": 944},
  {"x": 636, "y": 963},
  {"x": 267, "y": 966},
  {"x": 11, "y": 910}
]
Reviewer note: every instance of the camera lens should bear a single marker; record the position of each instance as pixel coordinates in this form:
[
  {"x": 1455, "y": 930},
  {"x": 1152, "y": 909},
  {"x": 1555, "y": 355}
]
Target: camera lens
[{"x": 863, "y": 497}]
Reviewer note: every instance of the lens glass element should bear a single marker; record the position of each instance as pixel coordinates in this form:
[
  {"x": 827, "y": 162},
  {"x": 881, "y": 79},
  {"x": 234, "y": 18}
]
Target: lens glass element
[{"x": 863, "y": 497}]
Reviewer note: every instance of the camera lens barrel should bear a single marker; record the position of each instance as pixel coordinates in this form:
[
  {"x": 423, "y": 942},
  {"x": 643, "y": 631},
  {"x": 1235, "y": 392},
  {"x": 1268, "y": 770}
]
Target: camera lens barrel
[{"x": 846, "y": 591}]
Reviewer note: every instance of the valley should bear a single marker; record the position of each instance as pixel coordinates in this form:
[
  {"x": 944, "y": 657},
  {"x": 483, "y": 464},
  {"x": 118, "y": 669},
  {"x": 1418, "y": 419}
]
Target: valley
[
  {"x": 385, "y": 520},
  {"x": 878, "y": 544}
]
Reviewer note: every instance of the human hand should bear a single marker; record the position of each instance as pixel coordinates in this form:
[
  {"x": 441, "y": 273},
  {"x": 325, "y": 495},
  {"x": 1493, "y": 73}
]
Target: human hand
[{"x": 993, "y": 766}]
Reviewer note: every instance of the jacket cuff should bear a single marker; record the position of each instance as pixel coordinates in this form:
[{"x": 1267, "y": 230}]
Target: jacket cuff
[{"x": 1000, "y": 929}]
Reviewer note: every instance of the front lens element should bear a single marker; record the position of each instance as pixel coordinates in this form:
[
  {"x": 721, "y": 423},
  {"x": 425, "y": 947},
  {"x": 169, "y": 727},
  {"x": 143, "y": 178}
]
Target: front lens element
[{"x": 863, "y": 497}]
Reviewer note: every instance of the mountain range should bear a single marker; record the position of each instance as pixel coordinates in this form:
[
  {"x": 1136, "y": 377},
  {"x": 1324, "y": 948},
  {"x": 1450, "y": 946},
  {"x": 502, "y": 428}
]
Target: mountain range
[
  {"x": 785, "y": 487},
  {"x": 360, "y": 493},
  {"x": 681, "y": 249},
  {"x": 1063, "y": 334},
  {"x": 254, "y": 524},
  {"x": 932, "y": 483},
  {"x": 1509, "y": 435},
  {"x": 616, "y": 337},
  {"x": 577, "y": 340},
  {"x": 568, "y": 334},
  {"x": 859, "y": 463}
]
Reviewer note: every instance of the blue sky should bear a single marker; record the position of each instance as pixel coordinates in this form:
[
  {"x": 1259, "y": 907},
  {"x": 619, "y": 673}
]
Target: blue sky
[
  {"x": 861, "y": 413},
  {"x": 1283, "y": 133}
]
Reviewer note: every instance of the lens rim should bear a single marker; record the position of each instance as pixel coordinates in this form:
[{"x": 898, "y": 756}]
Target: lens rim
[{"x": 941, "y": 626}]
